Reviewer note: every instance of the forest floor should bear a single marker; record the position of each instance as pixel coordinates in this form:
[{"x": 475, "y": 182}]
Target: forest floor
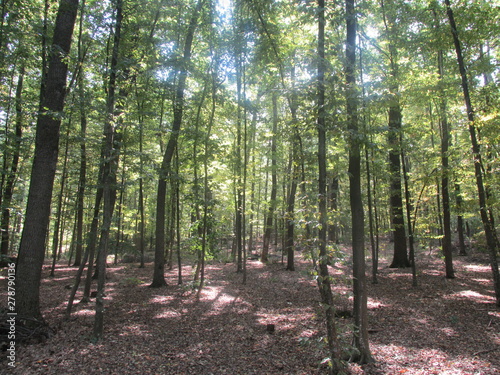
[{"x": 440, "y": 327}]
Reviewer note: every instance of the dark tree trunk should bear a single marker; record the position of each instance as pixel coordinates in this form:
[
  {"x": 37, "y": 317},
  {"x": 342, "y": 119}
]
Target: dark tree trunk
[
  {"x": 290, "y": 223},
  {"x": 176, "y": 207},
  {"x": 32, "y": 251},
  {"x": 9, "y": 185},
  {"x": 111, "y": 152},
  {"x": 361, "y": 345},
  {"x": 409, "y": 210},
  {"x": 460, "y": 221},
  {"x": 159, "y": 263},
  {"x": 324, "y": 280},
  {"x": 400, "y": 257},
  {"x": 295, "y": 177},
  {"x": 489, "y": 228},
  {"x": 56, "y": 238},
  {"x": 445, "y": 190},
  {"x": 141, "y": 196},
  {"x": 82, "y": 178},
  {"x": 334, "y": 192},
  {"x": 268, "y": 225}
]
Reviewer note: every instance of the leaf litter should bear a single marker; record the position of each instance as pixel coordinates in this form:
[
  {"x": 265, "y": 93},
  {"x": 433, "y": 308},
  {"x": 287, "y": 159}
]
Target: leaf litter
[{"x": 440, "y": 327}]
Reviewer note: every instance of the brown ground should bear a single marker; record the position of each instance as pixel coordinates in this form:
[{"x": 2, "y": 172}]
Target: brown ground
[{"x": 440, "y": 327}]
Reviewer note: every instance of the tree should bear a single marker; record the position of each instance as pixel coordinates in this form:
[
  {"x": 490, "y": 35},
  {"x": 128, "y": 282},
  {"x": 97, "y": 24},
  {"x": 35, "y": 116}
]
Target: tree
[
  {"x": 324, "y": 282},
  {"x": 489, "y": 228},
  {"x": 82, "y": 178},
  {"x": 111, "y": 153},
  {"x": 32, "y": 251},
  {"x": 445, "y": 177},
  {"x": 362, "y": 352},
  {"x": 165, "y": 169},
  {"x": 400, "y": 258},
  {"x": 12, "y": 175},
  {"x": 268, "y": 224}
]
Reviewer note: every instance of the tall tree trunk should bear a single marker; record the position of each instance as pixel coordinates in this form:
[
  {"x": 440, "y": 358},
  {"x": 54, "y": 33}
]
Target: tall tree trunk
[
  {"x": 159, "y": 263},
  {"x": 207, "y": 194},
  {"x": 82, "y": 178},
  {"x": 409, "y": 209},
  {"x": 268, "y": 225},
  {"x": 324, "y": 280},
  {"x": 253, "y": 209},
  {"x": 445, "y": 145},
  {"x": 141, "y": 195},
  {"x": 12, "y": 175},
  {"x": 489, "y": 228},
  {"x": 239, "y": 164},
  {"x": 295, "y": 177},
  {"x": 111, "y": 152},
  {"x": 362, "y": 352},
  {"x": 31, "y": 251},
  {"x": 372, "y": 223},
  {"x": 400, "y": 258},
  {"x": 176, "y": 208},
  {"x": 119, "y": 217},
  {"x": 59, "y": 209},
  {"x": 334, "y": 206},
  {"x": 460, "y": 221},
  {"x": 370, "y": 195}
]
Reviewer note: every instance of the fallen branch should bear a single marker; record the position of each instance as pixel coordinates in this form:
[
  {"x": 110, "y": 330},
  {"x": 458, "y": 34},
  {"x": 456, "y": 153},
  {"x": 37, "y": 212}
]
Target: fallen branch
[{"x": 484, "y": 352}]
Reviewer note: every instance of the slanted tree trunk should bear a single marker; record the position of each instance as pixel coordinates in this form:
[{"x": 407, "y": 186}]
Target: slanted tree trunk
[
  {"x": 32, "y": 251},
  {"x": 159, "y": 263},
  {"x": 489, "y": 228},
  {"x": 361, "y": 351}
]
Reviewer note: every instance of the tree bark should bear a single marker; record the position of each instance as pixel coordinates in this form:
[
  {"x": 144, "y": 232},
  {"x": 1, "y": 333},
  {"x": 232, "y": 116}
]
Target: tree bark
[
  {"x": 9, "y": 185},
  {"x": 361, "y": 351},
  {"x": 159, "y": 263},
  {"x": 56, "y": 238},
  {"x": 400, "y": 257},
  {"x": 445, "y": 165},
  {"x": 268, "y": 225},
  {"x": 324, "y": 281},
  {"x": 111, "y": 152},
  {"x": 460, "y": 221},
  {"x": 334, "y": 206},
  {"x": 489, "y": 228},
  {"x": 31, "y": 251}
]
